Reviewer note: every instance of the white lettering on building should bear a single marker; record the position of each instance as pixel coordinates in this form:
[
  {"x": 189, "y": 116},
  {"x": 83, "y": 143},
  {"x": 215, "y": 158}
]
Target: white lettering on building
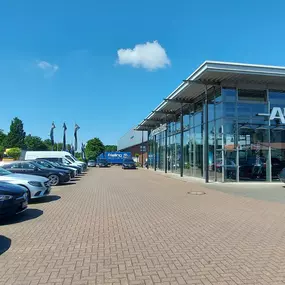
[{"x": 277, "y": 113}]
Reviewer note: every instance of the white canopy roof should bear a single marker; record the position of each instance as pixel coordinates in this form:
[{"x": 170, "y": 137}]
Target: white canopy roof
[{"x": 212, "y": 73}]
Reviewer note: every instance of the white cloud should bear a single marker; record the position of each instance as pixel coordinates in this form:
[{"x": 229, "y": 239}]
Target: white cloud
[
  {"x": 48, "y": 68},
  {"x": 150, "y": 56}
]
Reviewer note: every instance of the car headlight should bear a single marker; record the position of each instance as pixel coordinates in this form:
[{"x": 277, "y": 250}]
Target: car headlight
[
  {"x": 5, "y": 197},
  {"x": 61, "y": 173},
  {"x": 35, "y": 183}
]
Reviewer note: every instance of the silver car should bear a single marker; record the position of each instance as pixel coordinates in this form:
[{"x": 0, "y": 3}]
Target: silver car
[
  {"x": 91, "y": 163},
  {"x": 37, "y": 186}
]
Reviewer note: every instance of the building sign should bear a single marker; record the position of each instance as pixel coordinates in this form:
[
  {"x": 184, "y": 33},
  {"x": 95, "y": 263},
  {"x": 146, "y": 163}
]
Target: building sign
[
  {"x": 276, "y": 114},
  {"x": 158, "y": 130},
  {"x": 143, "y": 148}
]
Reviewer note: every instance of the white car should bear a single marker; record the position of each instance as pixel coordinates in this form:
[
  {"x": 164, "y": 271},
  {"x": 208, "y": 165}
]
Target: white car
[{"x": 37, "y": 186}]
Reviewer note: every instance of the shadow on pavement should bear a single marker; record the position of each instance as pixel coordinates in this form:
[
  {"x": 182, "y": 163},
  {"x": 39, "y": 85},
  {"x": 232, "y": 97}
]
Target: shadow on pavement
[
  {"x": 45, "y": 199},
  {"x": 66, "y": 184},
  {"x": 75, "y": 179},
  {"x": 29, "y": 214},
  {"x": 5, "y": 244}
]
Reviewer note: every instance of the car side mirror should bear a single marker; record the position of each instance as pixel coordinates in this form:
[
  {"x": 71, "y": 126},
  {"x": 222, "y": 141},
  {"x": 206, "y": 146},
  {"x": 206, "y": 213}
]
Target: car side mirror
[{"x": 36, "y": 168}]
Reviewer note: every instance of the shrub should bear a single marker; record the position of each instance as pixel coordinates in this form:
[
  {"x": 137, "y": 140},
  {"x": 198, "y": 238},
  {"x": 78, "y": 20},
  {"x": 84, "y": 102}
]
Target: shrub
[{"x": 14, "y": 152}]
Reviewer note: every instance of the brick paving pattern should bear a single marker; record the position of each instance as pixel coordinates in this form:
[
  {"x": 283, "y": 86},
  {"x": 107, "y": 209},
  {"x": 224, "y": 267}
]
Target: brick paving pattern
[{"x": 138, "y": 227}]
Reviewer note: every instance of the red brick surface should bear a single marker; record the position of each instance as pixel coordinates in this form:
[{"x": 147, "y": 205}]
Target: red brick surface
[{"x": 137, "y": 227}]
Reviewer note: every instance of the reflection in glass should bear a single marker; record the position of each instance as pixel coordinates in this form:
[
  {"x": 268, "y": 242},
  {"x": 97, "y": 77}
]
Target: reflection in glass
[
  {"x": 198, "y": 166},
  {"x": 186, "y": 153}
]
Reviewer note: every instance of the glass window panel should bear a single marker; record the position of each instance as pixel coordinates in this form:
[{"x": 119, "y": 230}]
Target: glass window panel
[
  {"x": 211, "y": 112},
  {"x": 219, "y": 134},
  {"x": 229, "y": 94},
  {"x": 218, "y": 95},
  {"x": 198, "y": 167},
  {"x": 251, "y": 110},
  {"x": 191, "y": 120},
  {"x": 186, "y": 153},
  {"x": 252, "y": 95},
  {"x": 219, "y": 110},
  {"x": 219, "y": 165},
  {"x": 198, "y": 118},
  {"x": 230, "y": 165},
  {"x": 277, "y": 99},
  {"x": 253, "y": 154},
  {"x": 229, "y": 110},
  {"x": 230, "y": 134},
  {"x": 277, "y": 136},
  {"x": 186, "y": 121}
]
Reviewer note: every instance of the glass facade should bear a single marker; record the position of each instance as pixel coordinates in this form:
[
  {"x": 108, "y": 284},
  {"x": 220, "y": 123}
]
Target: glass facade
[{"x": 243, "y": 143}]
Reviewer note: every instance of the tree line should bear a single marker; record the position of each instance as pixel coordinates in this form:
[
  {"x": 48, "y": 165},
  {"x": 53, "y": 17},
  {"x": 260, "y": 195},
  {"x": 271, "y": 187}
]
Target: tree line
[{"x": 17, "y": 138}]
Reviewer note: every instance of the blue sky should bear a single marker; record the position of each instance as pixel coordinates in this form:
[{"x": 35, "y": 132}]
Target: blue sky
[{"x": 59, "y": 59}]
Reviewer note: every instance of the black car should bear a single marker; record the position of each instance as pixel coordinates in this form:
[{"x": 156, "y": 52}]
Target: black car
[
  {"x": 13, "y": 199},
  {"x": 103, "y": 163},
  {"x": 55, "y": 176},
  {"x": 47, "y": 164},
  {"x": 62, "y": 162},
  {"x": 129, "y": 164}
]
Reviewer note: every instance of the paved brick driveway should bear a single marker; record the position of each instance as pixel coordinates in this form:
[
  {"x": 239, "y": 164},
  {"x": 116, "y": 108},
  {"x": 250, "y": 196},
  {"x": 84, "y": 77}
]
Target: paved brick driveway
[{"x": 138, "y": 227}]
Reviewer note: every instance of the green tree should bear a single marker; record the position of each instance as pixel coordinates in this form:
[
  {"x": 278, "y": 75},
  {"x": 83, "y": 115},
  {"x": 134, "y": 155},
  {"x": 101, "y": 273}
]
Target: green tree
[
  {"x": 94, "y": 147},
  {"x": 16, "y": 136},
  {"x": 110, "y": 148},
  {"x": 47, "y": 142},
  {"x": 78, "y": 155},
  {"x": 2, "y": 150},
  {"x": 14, "y": 152},
  {"x": 35, "y": 143},
  {"x": 2, "y": 138}
]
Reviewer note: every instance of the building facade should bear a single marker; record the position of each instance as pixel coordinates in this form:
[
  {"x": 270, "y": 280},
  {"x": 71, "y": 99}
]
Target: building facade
[
  {"x": 224, "y": 123},
  {"x": 135, "y": 142}
]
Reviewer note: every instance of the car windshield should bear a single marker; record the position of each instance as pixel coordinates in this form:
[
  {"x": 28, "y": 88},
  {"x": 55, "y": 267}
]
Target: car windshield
[
  {"x": 43, "y": 163},
  {"x": 92, "y": 161},
  {"x": 38, "y": 165},
  {"x": 4, "y": 172},
  {"x": 70, "y": 158}
]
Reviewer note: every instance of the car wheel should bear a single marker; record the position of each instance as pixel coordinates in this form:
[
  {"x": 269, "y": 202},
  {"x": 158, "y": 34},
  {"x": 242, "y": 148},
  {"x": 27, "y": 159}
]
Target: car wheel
[{"x": 54, "y": 180}]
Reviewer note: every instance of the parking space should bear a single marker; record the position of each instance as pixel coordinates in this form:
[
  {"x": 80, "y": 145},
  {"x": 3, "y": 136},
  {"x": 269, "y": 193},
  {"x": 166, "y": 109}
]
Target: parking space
[{"x": 117, "y": 226}]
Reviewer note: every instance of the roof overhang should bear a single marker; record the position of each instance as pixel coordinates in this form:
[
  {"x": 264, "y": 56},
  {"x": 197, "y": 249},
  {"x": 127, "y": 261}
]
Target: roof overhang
[{"x": 213, "y": 73}]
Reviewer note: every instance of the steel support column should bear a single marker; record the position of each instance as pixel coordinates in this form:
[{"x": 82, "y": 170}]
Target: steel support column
[
  {"x": 269, "y": 159},
  {"x": 206, "y": 138},
  {"x": 155, "y": 150},
  {"x": 181, "y": 142},
  {"x": 165, "y": 150},
  {"x": 142, "y": 145}
]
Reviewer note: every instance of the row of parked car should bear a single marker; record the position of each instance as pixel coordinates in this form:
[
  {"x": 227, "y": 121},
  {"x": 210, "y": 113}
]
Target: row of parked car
[
  {"x": 128, "y": 163},
  {"x": 33, "y": 177}
]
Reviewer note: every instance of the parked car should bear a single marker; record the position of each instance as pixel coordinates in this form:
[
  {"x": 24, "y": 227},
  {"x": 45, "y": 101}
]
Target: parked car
[
  {"x": 63, "y": 162},
  {"x": 13, "y": 199},
  {"x": 57, "y": 165},
  {"x": 103, "y": 163},
  {"x": 91, "y": 163},
  {"x": 31, "y": 167},
  {"x": 31, "y": 155},
  {"x": 129, "y": 164},
  {"x": 36, "y": 186},
  {"x": 47, "y": 164}
]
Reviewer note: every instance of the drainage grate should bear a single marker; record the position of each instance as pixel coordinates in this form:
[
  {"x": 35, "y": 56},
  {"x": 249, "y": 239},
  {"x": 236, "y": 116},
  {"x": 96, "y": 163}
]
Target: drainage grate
[{"x": 196, "y": 193}]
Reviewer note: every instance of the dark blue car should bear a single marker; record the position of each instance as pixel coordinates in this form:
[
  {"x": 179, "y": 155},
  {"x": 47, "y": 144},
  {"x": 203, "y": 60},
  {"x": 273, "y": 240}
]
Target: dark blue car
[{"x": 13, "y": 199}]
